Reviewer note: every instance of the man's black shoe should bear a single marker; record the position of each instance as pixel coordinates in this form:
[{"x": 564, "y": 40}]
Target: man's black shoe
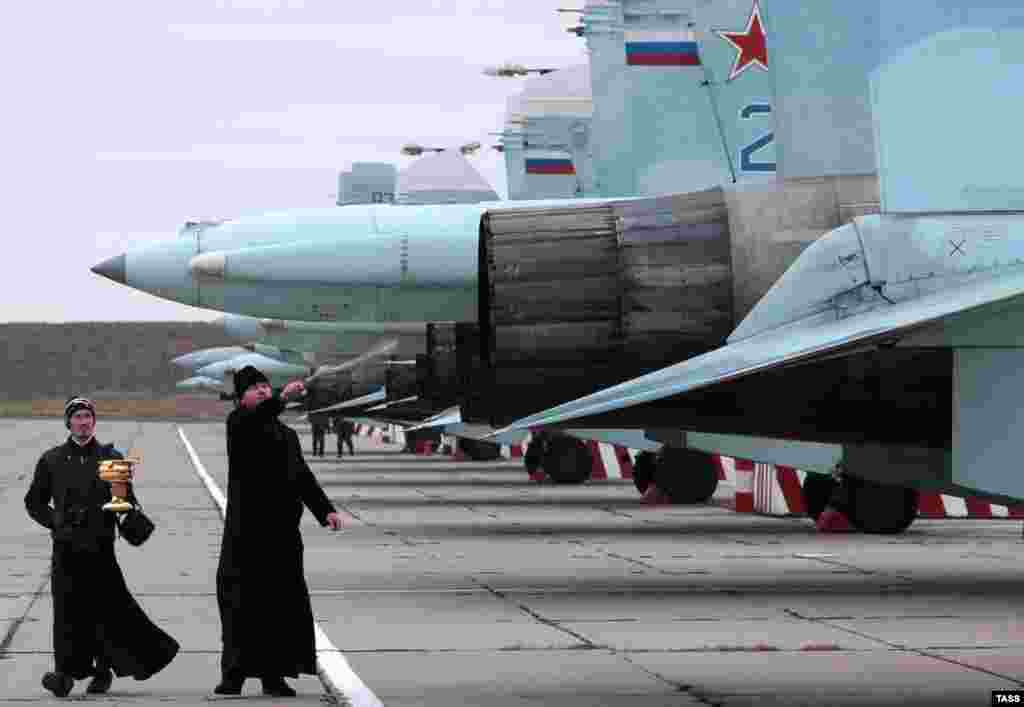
[
  {"x": 229, "y": 685},
  {"x": 100, "y": 683},
  {"x": 58, "y": 683},
  {"x": 277, "y": 687}
]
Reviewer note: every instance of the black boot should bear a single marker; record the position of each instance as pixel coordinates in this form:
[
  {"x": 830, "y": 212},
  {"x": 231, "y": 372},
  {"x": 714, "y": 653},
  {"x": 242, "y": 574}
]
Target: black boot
[
  {"x": 101, "y": 682},
  {"x": 230, "y": 684},
  {"x": 277, "y": 687},
  {"x": 59, "y": 684}
]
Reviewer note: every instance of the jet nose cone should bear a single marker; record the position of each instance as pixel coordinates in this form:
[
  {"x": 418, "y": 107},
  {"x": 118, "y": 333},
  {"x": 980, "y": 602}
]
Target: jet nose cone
[{"x": 112, "y": 269}]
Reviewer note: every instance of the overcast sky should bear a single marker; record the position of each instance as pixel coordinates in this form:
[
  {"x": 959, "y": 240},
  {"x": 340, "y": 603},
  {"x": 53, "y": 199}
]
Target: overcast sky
[{"x": 125, "y": 118}]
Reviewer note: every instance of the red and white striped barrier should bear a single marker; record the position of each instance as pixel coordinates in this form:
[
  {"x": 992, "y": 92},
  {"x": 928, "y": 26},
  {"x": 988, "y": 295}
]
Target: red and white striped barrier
[
  {"x": 744, "y": 485},
  {"x": 374, "y": 433},
  {"x": 610, "y": 461},
  {"x": 726, "y": 468},
  {"x": 938, "y": 505},
  {"x": 397, "y": 435},
  {"x": 513, "y": 451},
  {"x": 777, "y": 490}
]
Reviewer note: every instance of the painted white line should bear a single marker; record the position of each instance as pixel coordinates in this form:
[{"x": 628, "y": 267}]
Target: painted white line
[
  {"x": 211, "y": 485},
  {"x": 332, "y": 668}
]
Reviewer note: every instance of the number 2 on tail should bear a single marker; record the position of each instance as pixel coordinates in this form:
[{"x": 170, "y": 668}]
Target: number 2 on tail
[{"x": 747, "y": 162}]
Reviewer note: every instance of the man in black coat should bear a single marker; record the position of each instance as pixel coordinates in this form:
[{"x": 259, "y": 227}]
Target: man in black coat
[
  {"x": 98, "y": 628},
  {"x": 344, "y": 429},
  {"x": 266, "y": 617},
  {"x": 318, "y": 423}
]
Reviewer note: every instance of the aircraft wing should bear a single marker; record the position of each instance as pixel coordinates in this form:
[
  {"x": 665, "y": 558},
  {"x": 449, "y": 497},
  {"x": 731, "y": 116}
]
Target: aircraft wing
[
  {"x": 450, "y": 416},
  {"x": 813, "y": 338},
  {"x": 369, "y": 399},
  {"x": 384, "y": 406}
]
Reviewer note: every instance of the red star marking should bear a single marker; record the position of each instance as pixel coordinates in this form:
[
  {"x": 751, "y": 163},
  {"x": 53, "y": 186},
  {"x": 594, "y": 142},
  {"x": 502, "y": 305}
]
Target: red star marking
[{"x": 750, "y": 44}]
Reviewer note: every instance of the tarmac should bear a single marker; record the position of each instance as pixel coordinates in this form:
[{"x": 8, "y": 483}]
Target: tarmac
[{"x": 463, "y": 583}]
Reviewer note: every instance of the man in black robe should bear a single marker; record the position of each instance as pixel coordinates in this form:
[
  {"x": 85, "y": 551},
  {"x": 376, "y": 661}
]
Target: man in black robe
[
  {"x": 266, "y": 617},
  {"x": 98, "y": 628},
  {"x": 344, "y": 429},
  {"x": 318, "y": 423}
]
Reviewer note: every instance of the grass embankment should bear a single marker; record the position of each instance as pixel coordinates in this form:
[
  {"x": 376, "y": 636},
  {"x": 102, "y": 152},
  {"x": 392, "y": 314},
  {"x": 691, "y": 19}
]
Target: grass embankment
[{"x": 180, "y": 407}]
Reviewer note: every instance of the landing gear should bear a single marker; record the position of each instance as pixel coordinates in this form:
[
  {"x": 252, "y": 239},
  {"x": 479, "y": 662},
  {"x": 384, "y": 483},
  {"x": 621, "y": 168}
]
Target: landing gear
[
  {"x": 685, "y": 475},
  {"x": 817, "y": 491},
  {"x": 870, "y": 507},
  {"x": 414, "y": 439},
  {"x": 534, "y": 454},
  {"x": 643, "y": 470},
  {"x": 566, "y": 460},
  {"x": 563, "y": 459},
  {"x": 478, "y": 450},
  {"x": 880, "y": 508}
]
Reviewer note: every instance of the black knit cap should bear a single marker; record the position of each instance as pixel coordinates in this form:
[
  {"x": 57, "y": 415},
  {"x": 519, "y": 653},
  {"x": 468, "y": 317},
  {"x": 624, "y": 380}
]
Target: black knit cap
[
  {"x": 74, "y": 404},
  {"x": 248, "y": 376}
]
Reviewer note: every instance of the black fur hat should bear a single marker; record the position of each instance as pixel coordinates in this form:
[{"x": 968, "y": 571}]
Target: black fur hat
[
  {"x": 74, "y": 404},
  {"x": 248, "y": 376}
]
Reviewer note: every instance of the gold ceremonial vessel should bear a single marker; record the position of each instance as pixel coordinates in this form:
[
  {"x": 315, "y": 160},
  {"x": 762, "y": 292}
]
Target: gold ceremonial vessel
[{"x": 118, "y": 473}]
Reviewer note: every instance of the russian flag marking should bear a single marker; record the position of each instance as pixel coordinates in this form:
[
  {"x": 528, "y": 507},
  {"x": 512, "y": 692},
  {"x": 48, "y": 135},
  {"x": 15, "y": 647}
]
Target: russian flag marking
[
  {"x": 549, "y": 165},
  {"x": 661, "y": 49}
]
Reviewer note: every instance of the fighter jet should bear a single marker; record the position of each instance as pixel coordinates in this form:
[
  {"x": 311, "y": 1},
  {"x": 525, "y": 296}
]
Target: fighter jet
[
  {"x": 323, "y": 342},
  {"x": 889, "y": 353},
  {"x": 200, "y": 383},
  {"x": 195, "y": 360},
  {"x": 266, "y": 365}
]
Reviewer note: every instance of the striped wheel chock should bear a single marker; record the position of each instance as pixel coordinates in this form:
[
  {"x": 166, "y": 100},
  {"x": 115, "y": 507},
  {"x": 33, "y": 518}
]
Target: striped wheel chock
[
  {"x": 609, "y": 461},
  {"x": 777, "y": 490},
  {"x": 938, "y": 505},
  {"x": 744, "y": 489},
  {"x": 726, "y": 468},
  {"x": 512, "y": 451}
]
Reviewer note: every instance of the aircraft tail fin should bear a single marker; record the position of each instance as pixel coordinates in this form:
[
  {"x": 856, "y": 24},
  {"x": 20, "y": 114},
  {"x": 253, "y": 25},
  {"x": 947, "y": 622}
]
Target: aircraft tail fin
[{"x": 946, "y": 112}]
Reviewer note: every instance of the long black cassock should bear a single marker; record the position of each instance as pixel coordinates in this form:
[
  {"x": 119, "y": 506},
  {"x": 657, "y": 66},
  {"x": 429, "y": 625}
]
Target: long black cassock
[
  {"x": 95, "y": 617},
  {"x": 266, "y": 617}
]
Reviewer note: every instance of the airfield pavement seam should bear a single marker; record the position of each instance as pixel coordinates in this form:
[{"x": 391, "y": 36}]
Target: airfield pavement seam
[
  {"x": 12, "y": 630},
  {"x": 336, "y": 675},
  {"x": 550, "y": 623},
  {"x": 587, "y": 644}
]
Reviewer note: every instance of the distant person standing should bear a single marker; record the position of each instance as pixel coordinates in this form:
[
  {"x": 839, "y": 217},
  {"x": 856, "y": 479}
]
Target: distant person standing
[
  {"x": 319, "y": 425},
  {"x": 344, "y": 429},
  {"x": 98, "y": 628},
  {"x": 266, "y": 617}
]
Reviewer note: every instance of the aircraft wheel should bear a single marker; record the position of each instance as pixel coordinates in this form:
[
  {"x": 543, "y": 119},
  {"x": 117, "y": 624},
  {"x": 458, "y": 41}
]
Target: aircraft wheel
[
  {"x": 643, "y": 470},
  {"x": 567, "y": 460},
  {"x": 881, "y": 508},
  {"x": 686, "y": 475},
  {"x": 478, "y": 450},
  {"x": 534, "y": 454},
  {"x": 817, "y": 491}
]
